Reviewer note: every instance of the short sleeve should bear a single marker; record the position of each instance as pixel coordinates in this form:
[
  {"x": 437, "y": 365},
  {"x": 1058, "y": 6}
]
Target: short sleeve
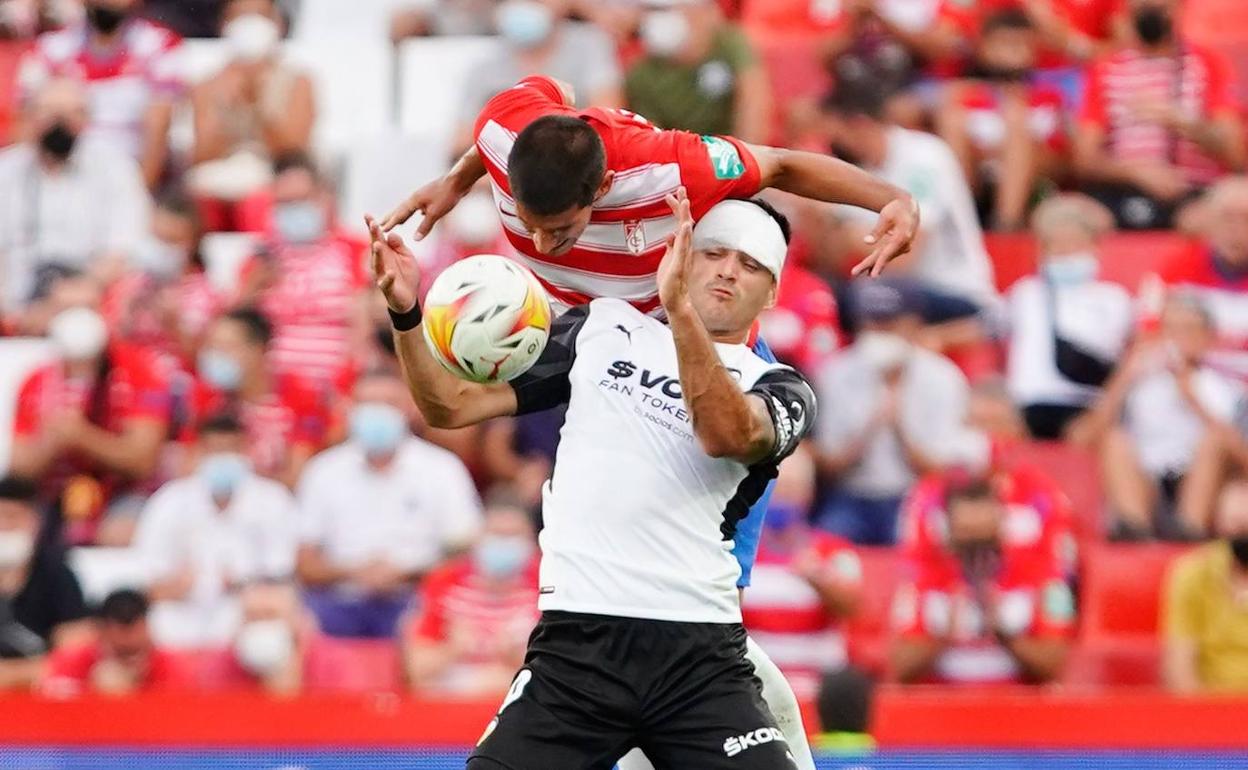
[
  {"x": 791, "y": 404},
  {"x": 312, "y": 503},
  {"x": 715, "y": 168},
  {"x": 1092, "y": 111},
  {"x": 546, "y": 384},
  {"x": 155, "y": 535},
  {"x": 1181, "y": 601},
  {"x": 430, "y": 624},
  {"x": 277, "y": 544}
]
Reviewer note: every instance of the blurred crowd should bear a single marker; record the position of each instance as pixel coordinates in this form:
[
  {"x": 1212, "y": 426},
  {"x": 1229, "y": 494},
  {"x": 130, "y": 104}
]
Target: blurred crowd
[{"x": 214, "y": 482}]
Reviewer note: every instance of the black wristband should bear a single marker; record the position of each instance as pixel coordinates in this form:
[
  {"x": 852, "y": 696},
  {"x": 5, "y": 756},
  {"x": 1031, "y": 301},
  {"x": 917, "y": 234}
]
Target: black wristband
[{"x": 405, "y": 322}]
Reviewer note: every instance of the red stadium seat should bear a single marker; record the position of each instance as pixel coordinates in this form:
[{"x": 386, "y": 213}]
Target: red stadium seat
[
  {"x": 352, "y": 665},
  {"x": 1125, "y": 257},
  {"x": 868, "y": 631},
  {"x": 1075, "y": 471},
  {"x": 1121, "y": 598}
]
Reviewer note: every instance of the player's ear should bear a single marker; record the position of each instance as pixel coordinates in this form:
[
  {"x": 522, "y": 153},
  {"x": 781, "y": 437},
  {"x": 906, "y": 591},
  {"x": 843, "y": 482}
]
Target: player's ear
[
  {"x": 608, "y": 177},
  {"x": 771, "y": 295}
]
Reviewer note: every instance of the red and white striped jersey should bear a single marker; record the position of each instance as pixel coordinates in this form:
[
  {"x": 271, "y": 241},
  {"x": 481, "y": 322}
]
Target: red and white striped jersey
[
  {"x": 1198, "y": 81},
  {"x": 618, "y": 254},
  {"x": 120, "y": 83}
]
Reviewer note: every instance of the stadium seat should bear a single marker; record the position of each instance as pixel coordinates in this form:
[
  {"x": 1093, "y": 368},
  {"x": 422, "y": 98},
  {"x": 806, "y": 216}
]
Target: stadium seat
[
  {"x": 869, "y": 629},
  {"x": 1125, "y": 257},
  {"x": 1075, "y": 471},
  {"x": 224, "y": 255},
  {"x": 20, "y": 357},
  {"x": 362, "y": 22},
  {"x": 433, "y": 75},
  {"x": 382, "y": 169},
  {"x": 352, "y": 665},
  {"x": 100, "y": 571},
  {"x": 354, "y": 86},
  {"x": 1120, "y": 604}
]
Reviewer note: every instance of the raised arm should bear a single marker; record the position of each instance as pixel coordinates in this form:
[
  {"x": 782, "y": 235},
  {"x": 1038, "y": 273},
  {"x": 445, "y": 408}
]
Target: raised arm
[
  {"x": 828, "y": 179},
  {"x": 445, "y": 400}
]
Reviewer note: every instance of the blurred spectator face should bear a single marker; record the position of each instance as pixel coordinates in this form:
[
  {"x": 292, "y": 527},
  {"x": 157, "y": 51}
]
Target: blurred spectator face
[
  {"x": 266, "y": 640},
  {"x": 1232, "y": 519},
  {"x": 127, "y": 641},
  {"x": 58, "y": 116},
  {"x": 887, "y": 325},
  {"x": 527, "y": 24},
  {"x": 1187, "y": 330},
  {"x": 1007, "y": 47},
  {"x": 251, "y": 29},
  {"x": 107, "y": 16},
  {"x": 975, "y": 518},
  {"x": 229, "y": 355},
  {"x": 19, "y": 529},
  {"x": 79, "y": 333},
  {"x": 301, "y": 207},
  {"x": 682, "y": 32},
  {"x": 1068, "y": 229},
  {"x": 223, "y": 461},
  {"x": 1228, "y": 227},
  {"x": 175, "y": 237},
  {"x": 1153, "y": 20},
  {"x": 380, "y": 418},
  {"x": 507, "y": 543}
]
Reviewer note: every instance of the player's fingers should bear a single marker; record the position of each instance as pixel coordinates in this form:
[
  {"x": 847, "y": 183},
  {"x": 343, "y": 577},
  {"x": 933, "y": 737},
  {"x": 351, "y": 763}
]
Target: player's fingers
[
  {"x": 426, "y": 223},
  {"x": 395, "y": 241},
  {"x": 863, "y": 266},
  {"x": 672, "y": 203},
  {"x": 882, "y": 226},
  {"x": 401, "y": 213}
]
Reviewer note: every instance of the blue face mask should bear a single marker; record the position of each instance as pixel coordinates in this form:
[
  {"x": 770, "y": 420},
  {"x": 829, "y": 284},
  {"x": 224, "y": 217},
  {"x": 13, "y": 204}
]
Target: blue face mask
[
  {"x": 221, "y": 371},
  {"x": 524, "y": 23},
  {"x": 300, "y": 222},
  {"x": 502, "y": 556},
  {"x": 378, "y": 428},
  {"x": 1071, "y": 270},
  {"x": 223, "y": 472}
]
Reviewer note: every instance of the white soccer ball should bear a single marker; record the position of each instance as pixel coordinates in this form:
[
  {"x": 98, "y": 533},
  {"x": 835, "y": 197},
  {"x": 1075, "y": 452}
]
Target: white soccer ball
[{"x": 486, "y": 319}]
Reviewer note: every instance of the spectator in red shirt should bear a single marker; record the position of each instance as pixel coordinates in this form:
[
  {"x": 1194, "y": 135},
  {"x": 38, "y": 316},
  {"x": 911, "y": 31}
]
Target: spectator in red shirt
[
  {"x": 477, "y": 611},
  {"x": 285, "y": 417},
  {"x": 985, "y": 599},
  {"x": 1006, "y": 128},
  {"x": 90, "y": 427},
  {"x": 1159, "y": 122},
  {"x": 123, "y": 660},
  {"x": 130, "y": 67},
  {"x": 310, "y": 281}
]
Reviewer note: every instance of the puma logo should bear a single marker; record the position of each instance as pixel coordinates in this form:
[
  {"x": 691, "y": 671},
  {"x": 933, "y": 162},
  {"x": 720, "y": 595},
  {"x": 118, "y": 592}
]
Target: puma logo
[{"x": 627, "y": 332}]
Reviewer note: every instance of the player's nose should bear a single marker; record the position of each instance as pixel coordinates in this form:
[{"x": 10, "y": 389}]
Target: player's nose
[{"x": 544, "y": 242}]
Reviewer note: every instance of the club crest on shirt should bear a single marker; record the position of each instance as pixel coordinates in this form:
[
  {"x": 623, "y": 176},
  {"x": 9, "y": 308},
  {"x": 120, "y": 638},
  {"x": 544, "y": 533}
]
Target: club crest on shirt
[{"x": 635, "y": 237}]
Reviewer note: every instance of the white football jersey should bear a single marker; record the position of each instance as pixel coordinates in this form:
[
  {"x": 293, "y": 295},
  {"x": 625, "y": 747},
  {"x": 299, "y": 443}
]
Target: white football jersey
[{"x": 638, "y": 519}]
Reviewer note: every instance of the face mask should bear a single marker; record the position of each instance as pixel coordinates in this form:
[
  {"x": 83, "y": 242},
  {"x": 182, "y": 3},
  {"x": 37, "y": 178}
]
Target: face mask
[
  {"x": 251, "y": 37},
  {"x": 1153, "y": 25},
  {"x": 58, "y": 140},
  {"x": 524, "y": 23},
  {"x": 474, "y": 221},
  {"x": 664, "y": 33},
  {"x": 223, "y": 472},
  {"x": 160, "y": 259},
  {"x": 104, "y": 19},
  {"x": 379, "y": 428},
  {"x": 1072, "y": 269},
  {"x": 1239, "y": 550},
  {"x": 883, "y": 350},
  {"x": 79, "y": 334},
  {"x": 502, "y": 556},
  {"x": 302, "y": 222},
  {"x": 15, "y": 548},
  {"x": 263, "y": 647},
  {"x": 221, "y": 371}
]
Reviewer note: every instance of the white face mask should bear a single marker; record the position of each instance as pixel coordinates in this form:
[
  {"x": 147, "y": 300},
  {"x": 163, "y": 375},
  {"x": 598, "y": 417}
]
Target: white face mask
[
  {"x": 664, "y": 33},
  {"x": 160, "y": 259},
  {"x": 16, "y": 547},
  {"x": 79, "y": 333},
  {"x": 264, "y": 646},
  {"x": 1071, "y": 269},
  {"x": 474, "y": 220},
  {"x": 883, "y": 350},
  {"x": 251, "y": 37}
]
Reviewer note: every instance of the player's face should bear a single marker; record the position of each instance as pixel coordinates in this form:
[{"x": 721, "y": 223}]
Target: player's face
[
  {"x": 729, "y": 289},
  {"x": 555, "y": 234}
]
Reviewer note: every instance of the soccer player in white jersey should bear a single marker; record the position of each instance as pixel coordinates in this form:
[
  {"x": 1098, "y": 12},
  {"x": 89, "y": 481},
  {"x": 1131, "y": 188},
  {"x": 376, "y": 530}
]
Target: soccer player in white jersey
[{"x": 672, "y": 431}]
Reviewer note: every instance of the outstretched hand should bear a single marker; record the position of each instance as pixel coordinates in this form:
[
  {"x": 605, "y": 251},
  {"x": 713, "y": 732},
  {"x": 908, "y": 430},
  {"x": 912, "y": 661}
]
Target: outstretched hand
[
  {"x": 435, "y": 200},
  {"x": 673, "y": 274},
  {"x": 395, "y": 270},
  {"x": 893, "y": 235}
]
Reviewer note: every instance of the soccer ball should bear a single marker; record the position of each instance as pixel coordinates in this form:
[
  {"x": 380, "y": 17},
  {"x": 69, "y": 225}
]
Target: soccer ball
[{"x": 486, "y": 319}]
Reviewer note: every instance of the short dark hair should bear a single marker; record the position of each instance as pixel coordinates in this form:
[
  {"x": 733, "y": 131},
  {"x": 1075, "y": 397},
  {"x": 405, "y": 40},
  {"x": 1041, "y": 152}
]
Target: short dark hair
[
  {"x": 125, "y": 607},
  {"x": 18, "y": 489},
  {"x": 556, "y": 164},
  {"x": 844, "y": 701},
  {"x": 785, "y": 228},
  {"x": 221, "y": 423},
  {"x": 257, "y": 326},
  {"x": 1010, "y": 18},
  {"x": 856, "y": 97},
  {"x": 296, "y": 160},
  {"x": 962, "y": 485}
]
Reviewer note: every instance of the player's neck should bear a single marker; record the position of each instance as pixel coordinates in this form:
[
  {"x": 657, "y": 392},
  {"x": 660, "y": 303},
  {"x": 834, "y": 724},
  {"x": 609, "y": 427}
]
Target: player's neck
[{"x": 730, "y": 338}]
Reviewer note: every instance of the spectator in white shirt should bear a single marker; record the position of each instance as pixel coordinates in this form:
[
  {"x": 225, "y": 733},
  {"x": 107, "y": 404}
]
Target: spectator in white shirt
[
  {"x": 890, "y": 412},
  {"x": 205, "y": 537},
  {"x": 1067, "y": 326},
  {"x": 948, "y": 258},
  {"x": 377, "y": 512},
  {"x": 65, "y": 201},
  {"x": 1157, "y": 408}
]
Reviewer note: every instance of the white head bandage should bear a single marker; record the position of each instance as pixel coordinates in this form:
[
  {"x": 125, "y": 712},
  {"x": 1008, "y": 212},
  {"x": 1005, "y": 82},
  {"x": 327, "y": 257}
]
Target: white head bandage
[{"x": 743, "y": 226}]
